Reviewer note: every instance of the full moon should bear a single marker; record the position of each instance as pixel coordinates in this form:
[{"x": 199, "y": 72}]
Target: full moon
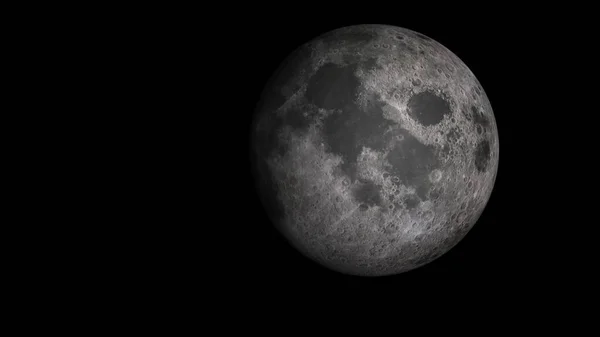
[{"x": 375, "y": 149}]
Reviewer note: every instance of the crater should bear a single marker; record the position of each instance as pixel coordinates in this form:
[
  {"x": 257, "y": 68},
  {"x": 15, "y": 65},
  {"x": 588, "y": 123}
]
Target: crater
[
  {"x": 392, "y": 227},
  {"x": 453, "y": 135},
  {"x": 427, "y": 108},
  {"x": 479, "y": 118},
  {"x": 435, "y": 193},
  {"x": 460, "y": 219},
  {"x": 465, "y": 112},
  {"x": 435, "y": 176},
  {"x": 378, "y": 248}
]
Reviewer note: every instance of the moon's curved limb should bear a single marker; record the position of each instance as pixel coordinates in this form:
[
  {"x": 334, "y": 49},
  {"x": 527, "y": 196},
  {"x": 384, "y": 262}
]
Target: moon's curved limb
[{"x": 370, "y": 178}]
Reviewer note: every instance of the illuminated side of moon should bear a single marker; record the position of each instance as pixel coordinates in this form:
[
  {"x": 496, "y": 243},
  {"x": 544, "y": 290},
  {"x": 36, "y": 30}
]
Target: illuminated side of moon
[{"x": 376, "y": 149}]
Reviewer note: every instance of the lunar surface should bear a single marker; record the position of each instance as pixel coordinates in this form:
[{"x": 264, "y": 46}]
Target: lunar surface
[{"x": 375, "y": 149}]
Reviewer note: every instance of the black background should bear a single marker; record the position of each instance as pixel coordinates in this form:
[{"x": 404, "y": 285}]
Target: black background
[
  {"x": 175, "y": 91},
  {"x": 518, "y": 246}
]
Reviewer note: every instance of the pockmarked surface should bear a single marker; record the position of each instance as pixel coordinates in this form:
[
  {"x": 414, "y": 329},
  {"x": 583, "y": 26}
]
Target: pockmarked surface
[{"x": 376, "y": 149}]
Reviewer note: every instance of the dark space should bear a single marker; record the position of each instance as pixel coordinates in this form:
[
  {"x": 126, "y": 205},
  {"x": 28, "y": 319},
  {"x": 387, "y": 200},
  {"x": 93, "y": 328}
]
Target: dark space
[
  {"x": 168, "y": 227},
  {"x": 511, "y": 249}
]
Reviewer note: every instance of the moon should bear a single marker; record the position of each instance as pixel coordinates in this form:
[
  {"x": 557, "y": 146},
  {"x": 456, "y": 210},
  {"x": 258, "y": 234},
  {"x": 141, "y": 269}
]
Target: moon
[{"x": 375, "y": 149}]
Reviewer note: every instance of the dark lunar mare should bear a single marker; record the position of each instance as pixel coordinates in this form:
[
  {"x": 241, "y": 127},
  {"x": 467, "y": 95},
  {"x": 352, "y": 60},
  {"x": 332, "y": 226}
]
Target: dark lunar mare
[
  {"x": 412, "y": 162},
  {"x": 482, "y": 155},
  {"x": 349, "y": 127},
  {"x": 428, "y": 108},
  {"x": 368, "y": 193}
]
